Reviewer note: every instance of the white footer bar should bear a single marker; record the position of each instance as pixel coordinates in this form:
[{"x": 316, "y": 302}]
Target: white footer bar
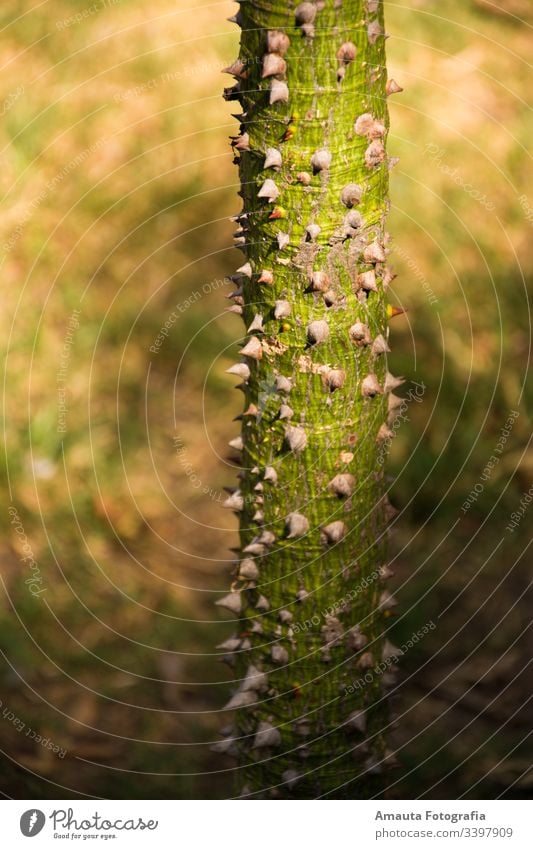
[{"x": 266, "y": 824}]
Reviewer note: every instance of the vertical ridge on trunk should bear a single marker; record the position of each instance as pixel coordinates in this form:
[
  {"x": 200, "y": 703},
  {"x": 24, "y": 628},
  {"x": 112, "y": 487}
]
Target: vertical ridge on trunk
[{"x": 309, "y": 583}]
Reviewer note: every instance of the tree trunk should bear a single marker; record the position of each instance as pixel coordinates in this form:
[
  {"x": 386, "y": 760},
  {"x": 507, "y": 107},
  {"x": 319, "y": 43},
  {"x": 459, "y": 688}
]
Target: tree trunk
[{"x": 311, "y": 707}]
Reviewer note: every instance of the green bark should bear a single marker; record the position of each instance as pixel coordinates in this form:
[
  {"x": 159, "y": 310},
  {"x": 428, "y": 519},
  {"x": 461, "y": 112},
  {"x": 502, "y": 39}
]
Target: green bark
[{"x": 310, "y": 592}]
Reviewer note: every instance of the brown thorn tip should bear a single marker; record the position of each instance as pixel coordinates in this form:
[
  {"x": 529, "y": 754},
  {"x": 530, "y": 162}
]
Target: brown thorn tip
[
  {"x": 296, "y": 439},
  {"x": 392, "y": 87}
]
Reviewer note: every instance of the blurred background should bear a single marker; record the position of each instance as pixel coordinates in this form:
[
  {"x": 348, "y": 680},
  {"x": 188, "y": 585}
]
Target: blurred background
[{"x": 117, "y": 182}]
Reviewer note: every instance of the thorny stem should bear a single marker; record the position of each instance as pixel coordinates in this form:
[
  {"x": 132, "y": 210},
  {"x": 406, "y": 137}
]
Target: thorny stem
[{"x": 309, "y": 591}]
